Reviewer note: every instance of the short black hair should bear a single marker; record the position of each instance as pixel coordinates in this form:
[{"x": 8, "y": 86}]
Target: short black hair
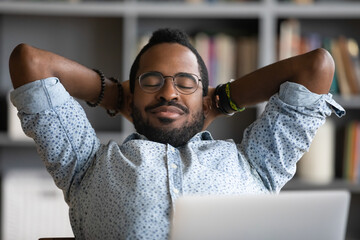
[{"x": 167, "y": 35}]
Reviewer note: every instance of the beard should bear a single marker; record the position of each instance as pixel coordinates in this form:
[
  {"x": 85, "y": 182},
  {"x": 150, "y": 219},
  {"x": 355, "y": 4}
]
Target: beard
[{"x": 176, "y": 136}]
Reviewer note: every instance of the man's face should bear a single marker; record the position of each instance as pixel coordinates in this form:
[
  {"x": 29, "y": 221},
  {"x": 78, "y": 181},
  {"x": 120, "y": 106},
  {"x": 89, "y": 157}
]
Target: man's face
[{"x": 168, "y": 116}]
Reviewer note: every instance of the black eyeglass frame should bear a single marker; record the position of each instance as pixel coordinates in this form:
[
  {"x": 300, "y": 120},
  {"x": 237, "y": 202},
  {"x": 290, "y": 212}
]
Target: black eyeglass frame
[{"x": 198, "y": 79}]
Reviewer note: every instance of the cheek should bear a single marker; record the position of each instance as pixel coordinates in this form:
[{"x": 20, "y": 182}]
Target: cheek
[
  {"x": 195, "y": 106},
  {"x": 137, "y": 104},
  {"x": 141, "y": 99},
  {"x": 194, "y": 100}
]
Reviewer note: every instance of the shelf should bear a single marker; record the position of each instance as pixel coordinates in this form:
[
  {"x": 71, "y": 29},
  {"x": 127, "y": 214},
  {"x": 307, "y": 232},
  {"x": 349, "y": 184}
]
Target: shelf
[
  {"x": 6, "y": 141},
  {"x": 76, "y": 29},
  {"x": 223, "y": 10},
  {"x": 119, "y": 9},
  {"x": 178, "y": 9},
  {"x": 337, "y": 184},
  {"x": 63, "y": 9},
  {"x": 317, "y": 10}
]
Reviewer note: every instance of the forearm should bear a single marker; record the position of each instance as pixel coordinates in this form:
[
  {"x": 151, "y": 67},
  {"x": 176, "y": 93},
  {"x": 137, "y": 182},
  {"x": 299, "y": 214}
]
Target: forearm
[
  {"x": 29, "y": 64},
  {"x": 314, "y": 70}
]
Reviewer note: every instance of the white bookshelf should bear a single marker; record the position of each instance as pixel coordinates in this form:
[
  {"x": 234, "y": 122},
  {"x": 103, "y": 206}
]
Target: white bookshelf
[
  {"x": 267, "y": 12},
  {"x": 104, "y": 35},
  {"x": 84, "y": 26}
]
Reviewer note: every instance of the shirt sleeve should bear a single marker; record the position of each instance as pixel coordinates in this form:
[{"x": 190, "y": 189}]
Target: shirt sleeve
[
  {"x": 283, "y": 133},
  {"x": 64, "y": 138}
]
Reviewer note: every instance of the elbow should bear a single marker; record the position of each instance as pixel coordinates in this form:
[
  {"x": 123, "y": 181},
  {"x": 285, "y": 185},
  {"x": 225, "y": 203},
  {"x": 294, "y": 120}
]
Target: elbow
[
  {"x": 315, "y": 70},
  {"x": 22, "y": 60},
  {"x": 324, "y": 62},
  {"x": 19, "y": 56},
  {"x": 322, "y": 69}
]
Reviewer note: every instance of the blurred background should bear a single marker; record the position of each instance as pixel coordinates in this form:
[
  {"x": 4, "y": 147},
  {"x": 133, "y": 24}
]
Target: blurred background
[{"x": 233, "y": 37}]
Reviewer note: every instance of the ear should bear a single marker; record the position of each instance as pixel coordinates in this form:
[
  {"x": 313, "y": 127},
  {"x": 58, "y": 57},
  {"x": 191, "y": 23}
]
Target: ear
[
  {"x": 128, "y": 107},
  {"x": 207, "y": 105},
  {"x": 128, "y": 100},
  {"x": 207, "y": 108}
]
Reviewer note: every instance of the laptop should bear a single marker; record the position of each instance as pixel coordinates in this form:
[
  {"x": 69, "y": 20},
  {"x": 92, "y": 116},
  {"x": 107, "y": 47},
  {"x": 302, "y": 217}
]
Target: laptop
[{"x": 318, "y": 215}]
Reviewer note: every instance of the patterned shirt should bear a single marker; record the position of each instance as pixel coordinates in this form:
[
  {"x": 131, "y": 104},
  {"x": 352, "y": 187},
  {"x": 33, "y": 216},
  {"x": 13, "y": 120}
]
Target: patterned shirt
[{"x": 128, "y": 191}]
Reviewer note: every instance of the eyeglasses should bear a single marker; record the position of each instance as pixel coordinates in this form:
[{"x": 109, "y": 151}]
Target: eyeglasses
[{"x": 184, "y": 83}]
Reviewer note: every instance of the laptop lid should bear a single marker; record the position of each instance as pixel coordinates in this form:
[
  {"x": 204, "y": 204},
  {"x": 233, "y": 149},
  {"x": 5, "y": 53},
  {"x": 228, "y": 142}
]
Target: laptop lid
[{"x": 288, "y": 215}]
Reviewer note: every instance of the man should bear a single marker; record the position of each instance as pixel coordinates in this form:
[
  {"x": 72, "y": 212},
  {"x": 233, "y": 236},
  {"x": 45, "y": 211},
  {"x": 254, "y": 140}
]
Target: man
[{"x": 127, "y": 191}]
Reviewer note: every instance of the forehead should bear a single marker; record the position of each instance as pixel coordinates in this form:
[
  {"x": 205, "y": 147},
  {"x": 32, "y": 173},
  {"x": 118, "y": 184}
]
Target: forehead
[{"x": 169, "y": 58}]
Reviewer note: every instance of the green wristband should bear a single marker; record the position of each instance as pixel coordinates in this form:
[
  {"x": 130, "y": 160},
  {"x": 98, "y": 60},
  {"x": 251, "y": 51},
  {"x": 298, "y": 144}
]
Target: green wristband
[{"x": 232, "y": 104}]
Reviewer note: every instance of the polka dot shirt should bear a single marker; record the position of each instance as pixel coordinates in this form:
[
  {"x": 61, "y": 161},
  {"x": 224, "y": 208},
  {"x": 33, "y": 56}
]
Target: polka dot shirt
[{"x": 128, "y": 191}]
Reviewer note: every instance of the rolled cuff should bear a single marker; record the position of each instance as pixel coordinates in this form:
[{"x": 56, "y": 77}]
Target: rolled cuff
[
  {"x": 297, "y": 95},
  {"x": 39, "y": 95}
]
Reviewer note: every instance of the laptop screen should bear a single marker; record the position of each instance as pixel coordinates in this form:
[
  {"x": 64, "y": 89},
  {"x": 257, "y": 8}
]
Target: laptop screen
[{"x": 288, "y": 215}]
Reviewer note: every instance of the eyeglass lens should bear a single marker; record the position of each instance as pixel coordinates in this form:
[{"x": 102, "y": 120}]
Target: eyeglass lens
[{"x": 152, "y": 82}]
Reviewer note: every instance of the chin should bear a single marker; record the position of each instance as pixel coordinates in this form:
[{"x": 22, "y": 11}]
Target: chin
[{"x": 176, "y": 132}]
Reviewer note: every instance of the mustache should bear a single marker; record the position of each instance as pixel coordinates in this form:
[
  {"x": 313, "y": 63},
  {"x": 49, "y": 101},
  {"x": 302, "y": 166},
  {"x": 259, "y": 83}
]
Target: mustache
[{"x": 167, "y": 103}]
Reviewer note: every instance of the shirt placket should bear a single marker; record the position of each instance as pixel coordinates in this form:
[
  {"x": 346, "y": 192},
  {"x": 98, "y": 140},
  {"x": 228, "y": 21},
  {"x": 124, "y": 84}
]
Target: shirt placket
[{"x": 174, "y": 172}]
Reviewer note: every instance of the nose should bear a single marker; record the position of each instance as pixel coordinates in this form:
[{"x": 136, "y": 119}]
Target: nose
[{"x": 168, "y": 91}]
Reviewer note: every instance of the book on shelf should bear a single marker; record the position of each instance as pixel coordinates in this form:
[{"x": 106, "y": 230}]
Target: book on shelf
[
  {"x": 349, "y": 65},
  {"x": 319, "y": 166},
  {"x": 217, "y": 1},
  {"x": 341, "y": 78},
  {"x": 247, "y": 55},
  {"x": 344, "y": 50},
  {"x": 351, "y": 155},
  {"x": 218, "y": 53},
  {"x": 299, "y": 2},
  {"x": 201, "y": 41},
  {"x": 303, "y": 1},
  {"x": 289, "y": 39},
  {"x": 353, "y": 49},
  {"x": 226, "y": 57},
  {"x": 334, "y": 89}
]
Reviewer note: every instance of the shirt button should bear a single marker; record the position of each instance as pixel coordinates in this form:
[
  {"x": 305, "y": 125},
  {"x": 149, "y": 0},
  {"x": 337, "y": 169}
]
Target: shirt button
[
  {"x": 175, "y": 190},
  {"x": 174, "y": 166}
]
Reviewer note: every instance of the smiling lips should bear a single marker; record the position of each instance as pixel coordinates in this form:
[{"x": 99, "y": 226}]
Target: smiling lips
[{"x": 167, "y": 112}]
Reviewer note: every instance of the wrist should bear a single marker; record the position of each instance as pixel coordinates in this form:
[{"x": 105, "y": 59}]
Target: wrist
[
  {"x": 110, "y": 96},
  {"x": 102, "y": 90},
  {"x": 109, "y": 101},
  {"x": 113, "y": 98},
  {"x": 221, "y": 100}
]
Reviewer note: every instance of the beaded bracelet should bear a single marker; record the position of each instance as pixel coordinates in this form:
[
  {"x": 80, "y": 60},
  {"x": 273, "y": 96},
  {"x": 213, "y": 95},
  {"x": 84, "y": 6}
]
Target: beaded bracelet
[
  {"x": 232, "y": 104},
  {"x": 111, "y": 112},
  {"x": 101, "y": 95}
]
